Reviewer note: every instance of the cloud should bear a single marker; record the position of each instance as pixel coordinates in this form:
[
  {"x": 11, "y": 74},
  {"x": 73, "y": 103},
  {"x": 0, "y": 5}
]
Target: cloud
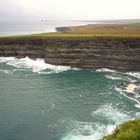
[
  {"x": 9, "y": 10},
  {"x": 70, "y": 9}
]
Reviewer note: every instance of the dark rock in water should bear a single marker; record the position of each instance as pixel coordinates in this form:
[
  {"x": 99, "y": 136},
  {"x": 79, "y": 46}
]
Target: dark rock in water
[{"x": 101, "y": 52}]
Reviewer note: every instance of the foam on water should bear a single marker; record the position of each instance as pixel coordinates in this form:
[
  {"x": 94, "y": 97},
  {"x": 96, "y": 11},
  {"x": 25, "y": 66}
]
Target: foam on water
[
  {"x": 95, "y": 130},
  {"x": 79, "y": 130},
  {"x": 37, "y": 65},
  {"x": 131, "y": 90},
  {"x": 89, "y": 131},
  {"x": 134, "y": 74},
  {"x": 114, "y": 115},
  {"x": 106, "y": 70},
  {"x": 5, "y": 71},
  {"x": 120, "y": 77},
  {"x": 113, "y": 77},
  {"x": 131, "y": 96}
]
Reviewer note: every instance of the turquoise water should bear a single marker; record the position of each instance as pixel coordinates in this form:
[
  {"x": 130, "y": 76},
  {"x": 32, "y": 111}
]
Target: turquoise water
[{"x": 39, "y": 101}]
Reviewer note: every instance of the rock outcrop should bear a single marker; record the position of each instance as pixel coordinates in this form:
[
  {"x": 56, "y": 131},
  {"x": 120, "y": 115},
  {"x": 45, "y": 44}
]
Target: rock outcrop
[{"x": 96, "y": 52}]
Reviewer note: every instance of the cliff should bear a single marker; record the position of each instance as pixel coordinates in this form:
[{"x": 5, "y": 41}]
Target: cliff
[{"x": 120, "y": 53}]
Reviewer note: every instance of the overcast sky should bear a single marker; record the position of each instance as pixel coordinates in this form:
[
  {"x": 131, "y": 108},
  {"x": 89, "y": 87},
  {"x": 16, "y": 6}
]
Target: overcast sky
[{"x": 69, "y": 9}]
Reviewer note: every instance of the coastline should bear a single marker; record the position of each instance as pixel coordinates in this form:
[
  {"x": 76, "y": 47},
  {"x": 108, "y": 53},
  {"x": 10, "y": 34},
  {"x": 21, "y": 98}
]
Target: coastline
[
  {"x": 69, "y": 47},
  {"x": 120, "y": 52}
]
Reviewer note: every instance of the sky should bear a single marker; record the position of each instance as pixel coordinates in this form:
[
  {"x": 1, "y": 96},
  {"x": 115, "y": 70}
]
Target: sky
[{"x": 69, "y": 9}]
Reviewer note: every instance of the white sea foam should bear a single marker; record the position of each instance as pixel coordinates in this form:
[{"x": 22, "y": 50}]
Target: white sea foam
[
  {"x": 36, "y": 66},
  {"x": 6, "y": 59},
  {"x": 113, "y": 77},
  {"x": 120, "y": 76},
  {"x": 132, "y": 97},
  {"x": 88, "y": 131},
  {"x": 138, "y": 115},
  {"x": 6, "y": 71},
  {"x": 105, "y": 70},
  {"x": 134, "y": 74},
  {"x": 131, "y": 80},
  {"x": 111, "y": 114},
  {"x": 95, "y": 131}
]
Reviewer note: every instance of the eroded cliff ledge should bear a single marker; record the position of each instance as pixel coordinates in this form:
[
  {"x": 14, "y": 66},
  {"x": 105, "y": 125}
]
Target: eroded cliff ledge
[{"x": 120, "y": 53}]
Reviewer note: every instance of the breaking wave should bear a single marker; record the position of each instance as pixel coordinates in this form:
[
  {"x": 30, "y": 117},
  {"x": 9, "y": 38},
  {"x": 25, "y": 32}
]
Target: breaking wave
[
  {"x": 134, "y": 74},
  {"x": 131, "y": 96},
  {"x": 105, "y": 70},
  {"x": 5, "y": 71},
  {"x": 96, "y": 130},
  {"x": 113, "y": 77},
  {"x": 111, "y": 115},
  {"x": 89, "y": 131},
  {"x": 36, "y": 66}
]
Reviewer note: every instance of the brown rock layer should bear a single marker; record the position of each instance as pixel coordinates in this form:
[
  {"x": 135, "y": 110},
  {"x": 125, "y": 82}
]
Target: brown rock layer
[{"x": 115, "y": 53}]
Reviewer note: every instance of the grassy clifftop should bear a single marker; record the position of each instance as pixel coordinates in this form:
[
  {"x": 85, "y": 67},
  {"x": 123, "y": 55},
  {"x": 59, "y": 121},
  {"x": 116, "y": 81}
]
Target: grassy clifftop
[
  {"x": 120, "y": 52},
  {"x": 91, "y": 31},
  {"x": 104, "y": 29},
  {"x": 127, "y": 131},
  {"x": 71, "y": 36}
]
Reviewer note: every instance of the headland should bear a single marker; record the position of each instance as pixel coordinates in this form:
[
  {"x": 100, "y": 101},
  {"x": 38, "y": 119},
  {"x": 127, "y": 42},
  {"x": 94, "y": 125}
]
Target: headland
[{"x": 91, "y": 46}]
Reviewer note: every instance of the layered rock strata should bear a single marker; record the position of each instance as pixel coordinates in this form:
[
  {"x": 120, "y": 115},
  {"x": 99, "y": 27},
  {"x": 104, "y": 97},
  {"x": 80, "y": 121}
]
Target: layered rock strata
[{"x": 100, "y": 52}]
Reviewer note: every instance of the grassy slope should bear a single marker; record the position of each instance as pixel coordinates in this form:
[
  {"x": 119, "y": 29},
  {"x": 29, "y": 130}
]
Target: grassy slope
[
  {"x": 107, "y": 29},
  {"x": 92, "y": 31},
  {"x": 127, "y": 131},
  {"x": 71, "y": 36}
]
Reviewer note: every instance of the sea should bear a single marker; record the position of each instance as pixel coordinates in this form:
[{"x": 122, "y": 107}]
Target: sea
[
  {"x": 40, "y": 101},
  {"x": 10, "y": 28}
]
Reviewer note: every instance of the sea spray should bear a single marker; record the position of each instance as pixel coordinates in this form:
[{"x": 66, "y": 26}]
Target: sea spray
[
  {"x": 94, "y": 130},
  {"x": 36, "y": 65}
]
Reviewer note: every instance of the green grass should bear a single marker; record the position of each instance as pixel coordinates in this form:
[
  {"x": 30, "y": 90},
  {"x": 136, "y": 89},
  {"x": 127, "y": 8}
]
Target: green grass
[
  {"x": 70, "y": 36},
  {"x": 90, "y": 31},
  {"x": 127, "y": 131}
]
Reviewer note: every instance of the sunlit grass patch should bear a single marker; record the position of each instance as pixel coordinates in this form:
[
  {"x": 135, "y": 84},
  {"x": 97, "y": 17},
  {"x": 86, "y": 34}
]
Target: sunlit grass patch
[{"x": 127, "y": 131}]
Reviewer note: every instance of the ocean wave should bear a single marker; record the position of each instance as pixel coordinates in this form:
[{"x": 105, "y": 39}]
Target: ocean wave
[
  {"x": 111, "y": 114},
  {"x": 134, "y": 74},
  {"x": 36, "y": 66},
  {"x": 113, "y": 77},
  {"x": 132, "y": 96},
  {"x": 5, "y": 71},
  {"x": 88, "y": 131},
  {"x": 106, "y": 70},
  {"x": 128, "y": 79},
  {"x": 96, "y": 130},
  {"x": 118, "y": 77}
]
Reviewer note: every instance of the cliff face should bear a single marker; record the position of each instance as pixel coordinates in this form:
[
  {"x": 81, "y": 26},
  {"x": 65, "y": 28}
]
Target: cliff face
[{"x": 115, "y": 53}]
